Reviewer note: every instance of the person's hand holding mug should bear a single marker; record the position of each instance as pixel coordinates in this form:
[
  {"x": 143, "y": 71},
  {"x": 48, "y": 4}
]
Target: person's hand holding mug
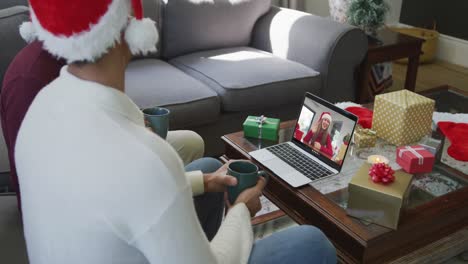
[
  {"x": 157, "y": 118},
  {"x": 249, "y": 185},
  {"x": 251, "y": 197},
  {"x": 219, "y": 180}
]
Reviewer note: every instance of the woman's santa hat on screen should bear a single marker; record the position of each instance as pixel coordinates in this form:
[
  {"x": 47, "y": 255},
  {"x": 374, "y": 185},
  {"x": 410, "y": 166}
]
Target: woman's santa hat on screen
[
  {"x": 326, "y": 115},
  {"x": 84, "y": 30}
]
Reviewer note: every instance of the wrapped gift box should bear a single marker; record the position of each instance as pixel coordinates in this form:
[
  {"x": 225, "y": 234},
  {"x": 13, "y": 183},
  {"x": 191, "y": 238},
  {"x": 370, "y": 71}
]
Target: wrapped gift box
[
  {"x": 415, "y": 159},
  {"x": 402, "y": 117},
  {"x": 364, "y": 138},
  {"x": 378, "y": 203},
  {"x": 261, "y": 127}
]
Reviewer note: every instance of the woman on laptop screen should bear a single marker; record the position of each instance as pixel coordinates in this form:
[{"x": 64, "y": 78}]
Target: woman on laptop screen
[{"x": 318, "y": 136}]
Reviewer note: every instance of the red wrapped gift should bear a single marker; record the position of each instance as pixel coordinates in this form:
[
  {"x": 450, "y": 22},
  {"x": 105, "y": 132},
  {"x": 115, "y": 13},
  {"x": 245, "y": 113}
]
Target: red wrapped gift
[{"x": 415, "y": 159}]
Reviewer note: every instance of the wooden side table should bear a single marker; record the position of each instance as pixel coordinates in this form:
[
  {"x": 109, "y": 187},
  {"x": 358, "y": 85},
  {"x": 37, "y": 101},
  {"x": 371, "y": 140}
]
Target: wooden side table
[{"x": 393, "y": 46}]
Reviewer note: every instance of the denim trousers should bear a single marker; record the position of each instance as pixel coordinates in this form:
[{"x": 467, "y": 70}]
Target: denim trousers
[{"x": 300, "y": 244}]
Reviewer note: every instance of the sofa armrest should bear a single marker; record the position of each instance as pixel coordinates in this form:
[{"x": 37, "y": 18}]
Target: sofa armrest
[
  {"x": 331, "y": 48},
  {"x": 11, "y": 42}
]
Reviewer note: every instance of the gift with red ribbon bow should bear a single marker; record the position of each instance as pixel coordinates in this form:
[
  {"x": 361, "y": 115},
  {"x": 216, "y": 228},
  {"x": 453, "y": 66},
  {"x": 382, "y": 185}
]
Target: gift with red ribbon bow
[{"x": 382, "y": 173}]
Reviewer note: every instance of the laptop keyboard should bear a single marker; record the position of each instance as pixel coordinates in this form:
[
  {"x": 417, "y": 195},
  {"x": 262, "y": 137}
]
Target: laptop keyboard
[{"x": 305, "y": 165}]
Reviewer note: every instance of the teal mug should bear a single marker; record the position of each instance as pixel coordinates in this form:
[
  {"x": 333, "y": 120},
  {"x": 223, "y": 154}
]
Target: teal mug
[
  {"x": 246, "y": 174},
  {"x": 158, "y": 119}
]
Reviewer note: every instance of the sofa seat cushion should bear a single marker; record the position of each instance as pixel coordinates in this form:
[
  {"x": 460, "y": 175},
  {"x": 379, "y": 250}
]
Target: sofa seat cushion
[
  {"x": 152, "y": 82},
  {"x": 250, "y": 79}
]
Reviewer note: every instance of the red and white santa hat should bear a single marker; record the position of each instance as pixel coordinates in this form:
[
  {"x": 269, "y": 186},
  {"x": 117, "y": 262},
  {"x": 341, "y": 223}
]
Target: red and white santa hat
[
  {"x": 326, "y": 115},
  {"x": 84, "y": 30}
]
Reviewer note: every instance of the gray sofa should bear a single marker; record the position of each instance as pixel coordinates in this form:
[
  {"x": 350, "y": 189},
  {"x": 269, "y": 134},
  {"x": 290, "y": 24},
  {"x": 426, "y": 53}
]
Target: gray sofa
[{"x": 217, "y": 63}]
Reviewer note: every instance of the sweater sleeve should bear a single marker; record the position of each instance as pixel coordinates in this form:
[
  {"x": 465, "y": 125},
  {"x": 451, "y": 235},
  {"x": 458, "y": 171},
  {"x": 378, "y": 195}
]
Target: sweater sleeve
[
  {"x": 195, "y": 179},
  {"x": 233, "y": 242},
  {"x": 177, "y": 237}
]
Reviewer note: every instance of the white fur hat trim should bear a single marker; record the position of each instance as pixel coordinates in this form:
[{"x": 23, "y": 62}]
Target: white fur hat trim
[
  {"x": 27, "y": 32},
  {"x": 141, "y": 36}
]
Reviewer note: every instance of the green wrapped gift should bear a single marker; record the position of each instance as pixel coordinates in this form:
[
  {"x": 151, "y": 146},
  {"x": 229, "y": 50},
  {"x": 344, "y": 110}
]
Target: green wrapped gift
[{"x": 261, "y": 127}]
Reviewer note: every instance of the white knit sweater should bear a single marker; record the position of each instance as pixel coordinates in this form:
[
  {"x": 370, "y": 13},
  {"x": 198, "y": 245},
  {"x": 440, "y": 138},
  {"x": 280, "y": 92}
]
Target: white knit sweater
[{"x": 97, "y": 187}]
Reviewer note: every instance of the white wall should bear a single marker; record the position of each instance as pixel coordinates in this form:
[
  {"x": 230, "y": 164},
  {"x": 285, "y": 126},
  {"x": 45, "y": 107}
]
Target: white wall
[
  {"x": 395, "y": 11},
  {"x": 453, "y": 50},
  {"x": 317, "y": 7},
  {"x": 320, "y": 7}
]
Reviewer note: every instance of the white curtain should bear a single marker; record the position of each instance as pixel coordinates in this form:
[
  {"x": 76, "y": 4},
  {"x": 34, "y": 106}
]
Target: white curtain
[{"x": 293, "y": 4}]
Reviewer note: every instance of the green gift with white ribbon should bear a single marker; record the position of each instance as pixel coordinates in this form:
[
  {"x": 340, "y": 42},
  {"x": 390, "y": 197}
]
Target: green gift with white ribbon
[{"x": 261, "y": 127}]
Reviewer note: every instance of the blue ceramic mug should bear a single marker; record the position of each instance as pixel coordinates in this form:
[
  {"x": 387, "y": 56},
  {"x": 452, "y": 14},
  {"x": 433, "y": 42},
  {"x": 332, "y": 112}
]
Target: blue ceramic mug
[
  {"x": 246, "y": 174},
  {"x": 158, "y": 120}
]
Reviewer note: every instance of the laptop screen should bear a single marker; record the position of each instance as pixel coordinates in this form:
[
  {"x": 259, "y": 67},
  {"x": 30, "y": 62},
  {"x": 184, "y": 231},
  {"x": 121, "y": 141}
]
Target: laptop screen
[{"x": 324, "y": 130}]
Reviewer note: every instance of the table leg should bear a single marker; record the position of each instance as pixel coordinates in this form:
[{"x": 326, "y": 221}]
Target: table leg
[
  {"x": 364, "y": 93},
  {"x": 412, "y": 72}
]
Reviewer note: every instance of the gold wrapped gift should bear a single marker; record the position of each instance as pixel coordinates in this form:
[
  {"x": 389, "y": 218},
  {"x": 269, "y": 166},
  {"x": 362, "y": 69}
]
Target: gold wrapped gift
[
  {"x": 364, "y": 138},
  {"x": 402, "y": 117},
  {"x": 378, "y": 203}
]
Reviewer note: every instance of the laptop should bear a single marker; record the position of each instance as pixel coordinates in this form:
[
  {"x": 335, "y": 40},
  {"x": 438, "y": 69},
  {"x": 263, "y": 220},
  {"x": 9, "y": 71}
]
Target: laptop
[{"x": 318, "y": 145}]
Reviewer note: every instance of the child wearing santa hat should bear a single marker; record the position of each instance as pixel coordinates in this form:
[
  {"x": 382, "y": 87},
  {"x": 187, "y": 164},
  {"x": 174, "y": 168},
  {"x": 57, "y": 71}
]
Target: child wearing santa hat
[
  {"x": 98, "y": 187},
  {"x": 318, "y": 136}
]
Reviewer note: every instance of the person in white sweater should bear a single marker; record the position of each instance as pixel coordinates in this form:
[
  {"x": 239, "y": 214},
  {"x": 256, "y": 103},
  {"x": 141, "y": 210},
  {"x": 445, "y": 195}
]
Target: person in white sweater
[{"x": 98, "y": 187}]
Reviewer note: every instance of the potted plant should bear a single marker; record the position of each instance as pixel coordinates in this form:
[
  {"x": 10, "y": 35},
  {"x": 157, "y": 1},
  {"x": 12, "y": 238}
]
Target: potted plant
[
  {"x": 346, "y": 139},
  {"x": 369, "y": 15}
]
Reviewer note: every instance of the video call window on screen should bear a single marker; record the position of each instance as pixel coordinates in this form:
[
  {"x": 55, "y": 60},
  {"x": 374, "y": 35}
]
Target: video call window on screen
[{"x": 324, "y": 130}]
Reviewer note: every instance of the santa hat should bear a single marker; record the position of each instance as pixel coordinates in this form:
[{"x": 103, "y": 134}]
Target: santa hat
[
  {"x": 326, "y": 115},
  {"x": 84, "y": 30}
]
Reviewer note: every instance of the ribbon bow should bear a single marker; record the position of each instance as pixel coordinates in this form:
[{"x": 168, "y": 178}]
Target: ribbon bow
[
  {"x": 260, "y": 120},
  {"x": 414, "y": 151}
]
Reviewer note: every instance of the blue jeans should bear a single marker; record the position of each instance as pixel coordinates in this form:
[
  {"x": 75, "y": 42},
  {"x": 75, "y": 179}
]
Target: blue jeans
[
  {"x": 209, "y": 206},
  {"x": 300, "y": 244}
]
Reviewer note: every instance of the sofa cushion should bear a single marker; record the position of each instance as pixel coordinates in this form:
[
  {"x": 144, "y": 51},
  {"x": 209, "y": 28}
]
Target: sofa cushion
[
  {"x": 190, "y": 25},
  {"x": 250, "y": 79},
  {"x": 11, "y": 3},
  {"x": 153, "y": 82},
  {"x": 11, "y": 42}
]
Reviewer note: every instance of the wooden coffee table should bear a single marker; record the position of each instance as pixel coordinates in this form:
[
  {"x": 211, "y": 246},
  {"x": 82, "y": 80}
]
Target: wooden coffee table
[
  {"x": 426, "y": 219},
  {"x": 448, "y": 99}
]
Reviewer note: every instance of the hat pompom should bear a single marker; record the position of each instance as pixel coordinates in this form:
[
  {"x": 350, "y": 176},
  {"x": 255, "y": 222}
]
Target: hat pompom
[
  {"x": 142, "y": 36},
  {"x": 27, "y": 32}
]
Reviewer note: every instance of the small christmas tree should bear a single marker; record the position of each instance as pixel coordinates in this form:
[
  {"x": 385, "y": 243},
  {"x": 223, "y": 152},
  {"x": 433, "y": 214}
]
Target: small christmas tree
[
  {"x": 369, "y": 15},
  {"x": 346, "y": 139}
]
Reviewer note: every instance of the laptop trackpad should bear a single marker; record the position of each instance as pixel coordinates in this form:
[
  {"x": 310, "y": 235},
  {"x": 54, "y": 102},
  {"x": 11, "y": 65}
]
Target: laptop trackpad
[
  {"x": 287, "y": 173},
  {"x": 263, "y": 155},
  {"x": 278, "y": 166}
]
